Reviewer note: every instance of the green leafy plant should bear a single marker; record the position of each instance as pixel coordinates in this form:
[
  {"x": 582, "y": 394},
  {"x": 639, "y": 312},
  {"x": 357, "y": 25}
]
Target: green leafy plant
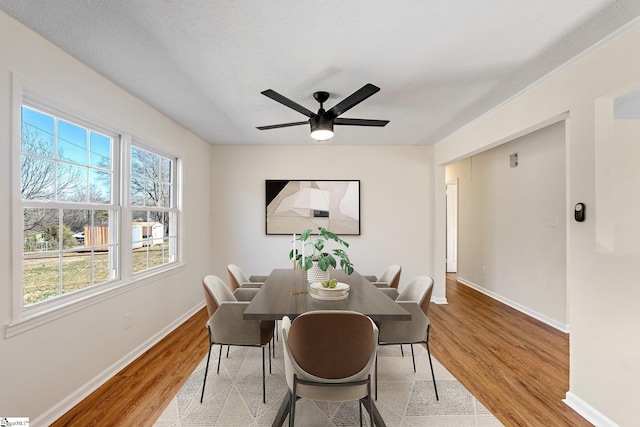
[{"x": 319, "y": 252}]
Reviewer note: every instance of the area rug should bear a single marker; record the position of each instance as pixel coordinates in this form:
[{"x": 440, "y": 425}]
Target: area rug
[{"x": 405, "y": 398}]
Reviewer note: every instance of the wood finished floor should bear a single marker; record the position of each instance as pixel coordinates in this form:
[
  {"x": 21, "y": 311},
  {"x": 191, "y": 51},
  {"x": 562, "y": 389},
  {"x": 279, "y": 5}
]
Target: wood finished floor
[
  {"x": 139, "y": 393},
  {"x": 516, "y": 366}
]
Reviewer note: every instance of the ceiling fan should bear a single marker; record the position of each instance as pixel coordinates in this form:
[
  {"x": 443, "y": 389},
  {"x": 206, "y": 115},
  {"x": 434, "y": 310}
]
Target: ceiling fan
[{"x": 322, "y": 122}]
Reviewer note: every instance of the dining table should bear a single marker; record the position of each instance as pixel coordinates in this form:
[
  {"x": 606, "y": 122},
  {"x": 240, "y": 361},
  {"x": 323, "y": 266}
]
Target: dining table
[{"x": 285, "y": 292}]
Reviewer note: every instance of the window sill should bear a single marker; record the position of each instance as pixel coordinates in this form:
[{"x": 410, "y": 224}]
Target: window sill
[{"x": 33, "y": 320}]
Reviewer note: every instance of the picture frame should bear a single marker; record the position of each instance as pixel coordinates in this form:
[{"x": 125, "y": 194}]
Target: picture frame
[{"x": 292, "y": 206}]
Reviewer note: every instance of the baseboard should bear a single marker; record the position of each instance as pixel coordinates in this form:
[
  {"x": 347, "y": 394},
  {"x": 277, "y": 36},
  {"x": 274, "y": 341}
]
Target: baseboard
[
  {"x": 587, "y": 411},
  {"x": 51, "y": 415},
  {"x": 439, "y": 300},
  {"x": 538, "y": 316}
]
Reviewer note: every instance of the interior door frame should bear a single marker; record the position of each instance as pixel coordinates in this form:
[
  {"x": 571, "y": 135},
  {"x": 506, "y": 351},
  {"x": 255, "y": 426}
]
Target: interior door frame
[{"x": 452, "y": 226}]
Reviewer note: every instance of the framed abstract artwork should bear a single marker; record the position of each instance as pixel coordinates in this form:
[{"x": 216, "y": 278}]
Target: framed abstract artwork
[{"x": 292, "y": 206}]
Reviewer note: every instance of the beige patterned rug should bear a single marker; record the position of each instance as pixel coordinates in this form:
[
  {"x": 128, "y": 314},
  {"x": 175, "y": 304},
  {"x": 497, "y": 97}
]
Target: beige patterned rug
[{"x": 405, "y": 398}]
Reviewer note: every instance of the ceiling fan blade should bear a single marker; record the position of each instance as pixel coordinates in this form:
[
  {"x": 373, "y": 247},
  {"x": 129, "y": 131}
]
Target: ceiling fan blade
[
  {"x": 283, "y": 125},
  {"x": 359, "y": 122},
  {"x": 352, "y": 100},
  {"x": 286, "y": 101}
]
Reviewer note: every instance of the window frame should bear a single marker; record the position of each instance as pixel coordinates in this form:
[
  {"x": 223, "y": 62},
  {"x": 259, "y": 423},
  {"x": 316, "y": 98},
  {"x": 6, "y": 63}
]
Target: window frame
[
  {"x": 24, "y": 317},
  {"x": 173, "y": 207}
]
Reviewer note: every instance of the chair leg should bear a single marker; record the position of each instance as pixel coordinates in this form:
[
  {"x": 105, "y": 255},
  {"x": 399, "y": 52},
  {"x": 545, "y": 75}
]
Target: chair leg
[
  {"x": 294, "y": 398},
  {"x": 376, "y": 373},
  {"x": 273, "y": 343},
  {"x": 264, "y": 388},
  {"x": 370, "y": 401},
  {"x": 219, "y": 355},
  {"x": 206, "y": 369},
  {"x": 435, "y": 388},
  {"x": 401, "y": 350},
  {"x": 360, "y": 411},
  {"x": 413, "y": 358},
  {"x": 270, "y": 357},
  {"x": 228, "y": 347}
]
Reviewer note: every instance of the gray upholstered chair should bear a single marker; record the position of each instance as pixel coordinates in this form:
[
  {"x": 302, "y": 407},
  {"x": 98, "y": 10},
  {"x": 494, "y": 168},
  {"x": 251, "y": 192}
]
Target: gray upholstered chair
[
  {"x": 414, "y": 298},
  {"x": 238, "y": 278},
  {"x": 227, "y": 327},
  {"x": 329, "y": 355},
  {"x": 390, "y": 278}
]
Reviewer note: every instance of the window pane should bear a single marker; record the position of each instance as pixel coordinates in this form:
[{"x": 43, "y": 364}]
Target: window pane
[
  {"x": 97, "y": 235},
  {"x": 100, "y": 185},
  {"x": 138, "y": 160},
  {"x": 101, "y": 263},
  {"x": 72, "y": 143},
  {"x": 137, "y": 192},
  {"x": 37, "y": 178},
  {"x": 156, "y": 255},
  {"x": 76, "y": 271},
  {"x": 40, "y": 230},
  {"x": 76, "y": 221},
  {"x": 165, "y": 193},
  {"x": 37, "y": 133},
  {"x": 72, "y": 182},
  {"x": 165, "y": 170},
  {"x": 40, "y": 279},
  {"x": 100, "y": 154},
  {"x": 152, "y": 195}
]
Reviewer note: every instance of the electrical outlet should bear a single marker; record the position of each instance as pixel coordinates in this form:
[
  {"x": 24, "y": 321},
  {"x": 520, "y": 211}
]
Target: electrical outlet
[
  {"x": 128, "y": 320},
  {"x": 484, "y": 270}
]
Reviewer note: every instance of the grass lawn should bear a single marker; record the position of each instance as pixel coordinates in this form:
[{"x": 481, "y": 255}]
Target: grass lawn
[{"x": 41, "y": 275}]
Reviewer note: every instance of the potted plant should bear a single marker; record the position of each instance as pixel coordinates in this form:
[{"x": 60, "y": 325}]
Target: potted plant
[{"x": 320, "y": 257}]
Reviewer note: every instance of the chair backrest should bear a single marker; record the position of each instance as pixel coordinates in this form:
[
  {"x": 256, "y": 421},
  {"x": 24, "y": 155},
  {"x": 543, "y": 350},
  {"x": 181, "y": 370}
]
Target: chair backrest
[
  {"x": 332, "y": 344},
  {"x": 236, "y": 276},
  {"x": 427, "y": 298},
  {"x": 419, "y": 290},
  {"x": 215, "y": 293},
  {"x": 391, "y": 276}
]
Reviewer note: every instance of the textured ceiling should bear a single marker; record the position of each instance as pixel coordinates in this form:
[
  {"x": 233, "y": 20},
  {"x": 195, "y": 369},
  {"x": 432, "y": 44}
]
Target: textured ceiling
[{"x": 439, "y": 64}]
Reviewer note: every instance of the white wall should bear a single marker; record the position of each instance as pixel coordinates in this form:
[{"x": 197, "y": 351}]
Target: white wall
[
  {"x": 396, "y": 202},
  {"x": 626, "y": 191},
  {"x": 45, "y": 370},
  {"x": 512, "y": 222},
  {"x": 603, "y": 295}
]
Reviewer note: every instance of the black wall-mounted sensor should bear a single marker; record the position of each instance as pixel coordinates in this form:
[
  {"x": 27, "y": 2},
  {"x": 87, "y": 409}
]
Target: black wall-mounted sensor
[{"x": 579, "y": 212}]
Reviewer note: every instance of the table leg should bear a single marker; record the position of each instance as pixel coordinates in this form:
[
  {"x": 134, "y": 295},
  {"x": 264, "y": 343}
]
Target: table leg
[{"x": 283, "y": 411}]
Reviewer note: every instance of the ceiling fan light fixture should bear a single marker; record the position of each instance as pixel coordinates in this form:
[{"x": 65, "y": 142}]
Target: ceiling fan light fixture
[
  {"x": 322, "y": 134},
  {"x": 321, "y": 128}
]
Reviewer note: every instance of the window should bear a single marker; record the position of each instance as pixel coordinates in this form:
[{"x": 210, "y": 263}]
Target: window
[
  {"x": 87, "y": 223},
  {"x": 153, "y": 215},
  {"x": 69, "y": 216}
]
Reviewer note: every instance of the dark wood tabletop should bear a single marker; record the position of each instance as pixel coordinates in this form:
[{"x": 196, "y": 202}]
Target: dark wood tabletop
[{"x": 274, "y": 300}]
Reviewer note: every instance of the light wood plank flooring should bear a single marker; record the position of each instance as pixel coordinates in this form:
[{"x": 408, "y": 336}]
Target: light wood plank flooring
[
  {"x": 139, "y": 393},
  {"x": 516, "y": 366}
]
